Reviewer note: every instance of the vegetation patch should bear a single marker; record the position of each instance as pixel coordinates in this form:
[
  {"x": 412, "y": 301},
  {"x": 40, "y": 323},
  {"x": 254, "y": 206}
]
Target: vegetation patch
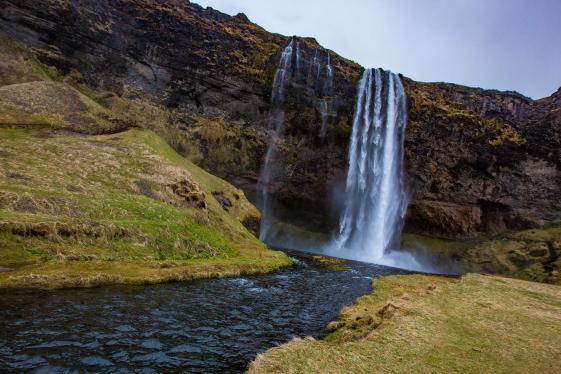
[
  {"x": 18, "y": 64},
  {"x": 102, "y": 203},
  {"x": 53, "y": 105},
  {"x": 533, "y": 254},
  {"x": 223, "y": 145},
  {"x": 432, "y": 107},
  {"x": 332, "y": 263},
  {"x": 426, "y": 324}
]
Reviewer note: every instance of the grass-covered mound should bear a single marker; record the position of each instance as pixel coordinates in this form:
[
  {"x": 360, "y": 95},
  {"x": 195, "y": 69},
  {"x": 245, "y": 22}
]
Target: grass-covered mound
[
  {"x": 55, "y": 105},
  {"x": 83, "y": 210},
  {"x": 424, "y": 324}
]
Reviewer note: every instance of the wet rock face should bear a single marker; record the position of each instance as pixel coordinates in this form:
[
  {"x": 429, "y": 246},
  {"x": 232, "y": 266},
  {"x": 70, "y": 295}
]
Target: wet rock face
[
  {"x": 224, "y": 202},
  {"x": 478, "y": 160}
]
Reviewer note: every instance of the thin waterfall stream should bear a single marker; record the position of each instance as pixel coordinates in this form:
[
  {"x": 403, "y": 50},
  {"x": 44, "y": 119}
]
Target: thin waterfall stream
[
  {"x": 324, "y": 104},
  {"x": 282, "y": 77}
]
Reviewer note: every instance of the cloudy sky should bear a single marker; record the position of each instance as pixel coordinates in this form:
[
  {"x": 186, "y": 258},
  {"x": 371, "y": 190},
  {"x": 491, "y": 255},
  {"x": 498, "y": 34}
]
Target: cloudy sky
[{"x": 503, "y": 44}]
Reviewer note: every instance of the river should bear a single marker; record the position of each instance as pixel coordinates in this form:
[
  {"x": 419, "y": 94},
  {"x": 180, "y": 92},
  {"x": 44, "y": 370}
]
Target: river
[{"x": 212, "y": 325}]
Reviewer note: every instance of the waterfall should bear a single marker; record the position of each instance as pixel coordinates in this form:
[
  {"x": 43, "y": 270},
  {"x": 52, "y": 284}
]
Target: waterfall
[
  {"x": 324, "y": 113},
  {"x": 276, "y": 122},
  {"x": 323, "y": 104},
  {"x": 376, "y": 200},
  {"x": 282, "y": 75},
  {"x": 298, "y": 58},
  {"x": 329, "y": 73},
  {"x": 316, "y": 64}
]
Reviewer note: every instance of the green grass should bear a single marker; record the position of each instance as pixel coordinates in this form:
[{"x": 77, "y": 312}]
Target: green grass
[
  {"x": 81, "y": 210},
  {"x": 70, "y": 207},
  {"x": 533, "y": 254},
  {"x": 426, "y": 324},
  {"x": 18, "y": 64}
]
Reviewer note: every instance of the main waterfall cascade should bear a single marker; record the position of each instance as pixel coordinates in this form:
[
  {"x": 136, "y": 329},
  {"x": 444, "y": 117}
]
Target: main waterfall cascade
[
  {"x": 376, "y": 198},
  {"x": 375, "y": 193}
]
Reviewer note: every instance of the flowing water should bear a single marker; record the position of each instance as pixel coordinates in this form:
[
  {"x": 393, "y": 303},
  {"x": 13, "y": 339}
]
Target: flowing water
[
  {"x": 215, "y": 325},
  {"x": 292, "y": 67},
  {"x": 283, "y": 75},
  {"x": 324, "y": 113},
  {"x": 376, "y": 199},
  {"x": 324, "y": 104},
  {"x": 329, "y": 74},
  {"x": 315, "y": 66}
]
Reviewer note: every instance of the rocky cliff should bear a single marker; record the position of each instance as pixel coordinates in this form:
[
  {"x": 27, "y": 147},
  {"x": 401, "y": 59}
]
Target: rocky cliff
[{"x": 479, "y": 161}]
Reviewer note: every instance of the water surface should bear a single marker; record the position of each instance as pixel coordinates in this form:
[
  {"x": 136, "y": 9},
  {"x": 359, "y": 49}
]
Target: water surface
[{"x": 215, "y": 325}]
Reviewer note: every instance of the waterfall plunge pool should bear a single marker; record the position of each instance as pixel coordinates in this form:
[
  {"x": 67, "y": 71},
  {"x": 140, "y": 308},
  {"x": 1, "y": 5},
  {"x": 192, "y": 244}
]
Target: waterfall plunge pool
[{"x": 213, "y": 325}]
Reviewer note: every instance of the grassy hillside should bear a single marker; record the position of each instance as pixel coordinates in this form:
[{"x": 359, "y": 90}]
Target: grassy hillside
[
  {"x": 429, "y": 324},
  {"x": 80, "y": 210},
  {"x": 89, "y": 195}
]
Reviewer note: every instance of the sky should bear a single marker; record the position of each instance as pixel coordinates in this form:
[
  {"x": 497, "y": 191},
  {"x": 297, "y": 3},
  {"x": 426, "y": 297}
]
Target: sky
[{"x": 500, "y": 44}]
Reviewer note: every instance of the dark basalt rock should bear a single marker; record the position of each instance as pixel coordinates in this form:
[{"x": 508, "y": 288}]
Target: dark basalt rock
[
  {"x": 476, "y": 162},
  {"x": 224, "y": 202},
  {"x": 479, "y": 161}
]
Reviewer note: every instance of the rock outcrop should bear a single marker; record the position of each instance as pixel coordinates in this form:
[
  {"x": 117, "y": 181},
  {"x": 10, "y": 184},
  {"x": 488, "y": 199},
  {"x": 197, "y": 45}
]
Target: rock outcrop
[{"x": 479, "y": 161}]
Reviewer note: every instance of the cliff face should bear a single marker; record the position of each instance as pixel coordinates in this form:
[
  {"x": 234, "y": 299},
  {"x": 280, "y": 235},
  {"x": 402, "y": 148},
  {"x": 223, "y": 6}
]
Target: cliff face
[
  {"x": 481, "y": 161},
  {"x": 478, "y": 161}
]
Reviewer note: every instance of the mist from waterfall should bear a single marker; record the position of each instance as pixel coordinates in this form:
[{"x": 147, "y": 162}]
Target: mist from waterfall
[
  {"x": 282, "y": 77},
  {"x": 375, "y": 193}
]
